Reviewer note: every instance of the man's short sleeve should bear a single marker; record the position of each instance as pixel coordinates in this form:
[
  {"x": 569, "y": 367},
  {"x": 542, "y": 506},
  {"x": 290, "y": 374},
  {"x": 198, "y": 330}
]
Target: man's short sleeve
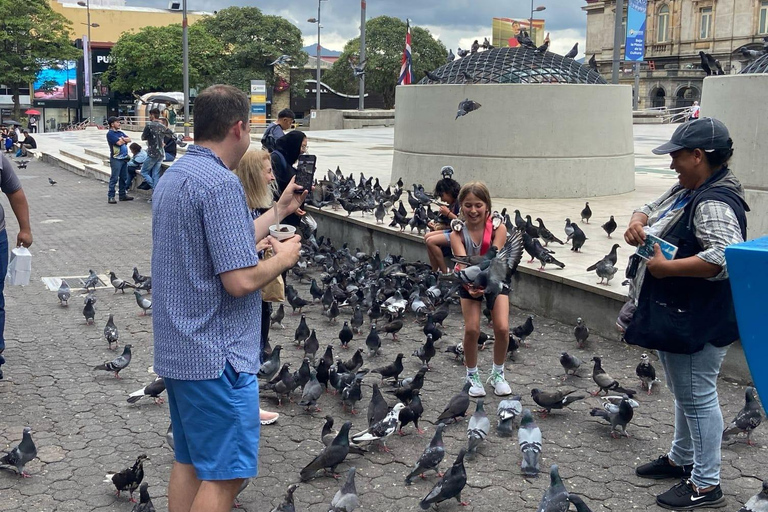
[
  {"x": 229, "y": 230},
  {"x": 112, "y": 137},
  {"x": 9, "y": 182}
]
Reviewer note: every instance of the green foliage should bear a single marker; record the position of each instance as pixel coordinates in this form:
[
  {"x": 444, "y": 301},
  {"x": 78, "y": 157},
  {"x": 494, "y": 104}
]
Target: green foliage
[
  {"x": 151, "y": 59},
  {"x": 250, "y": 41},
  {"x": 385, "y": 41},
  {"x": 32, "y": 36}
]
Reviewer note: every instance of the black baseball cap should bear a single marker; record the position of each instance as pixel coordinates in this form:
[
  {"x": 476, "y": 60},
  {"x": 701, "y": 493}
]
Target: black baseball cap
[
  {"x": 112, "y": 119},
  {"x": 706, "y": 133}
]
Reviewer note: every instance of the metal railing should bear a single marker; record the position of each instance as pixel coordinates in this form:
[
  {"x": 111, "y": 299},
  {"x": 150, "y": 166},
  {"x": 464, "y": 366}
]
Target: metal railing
[{"x": 667, "y": 115}]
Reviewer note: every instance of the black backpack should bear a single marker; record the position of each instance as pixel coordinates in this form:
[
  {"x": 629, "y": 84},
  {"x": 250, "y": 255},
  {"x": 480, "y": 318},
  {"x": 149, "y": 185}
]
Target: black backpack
[{"x": 268, "y": 140}]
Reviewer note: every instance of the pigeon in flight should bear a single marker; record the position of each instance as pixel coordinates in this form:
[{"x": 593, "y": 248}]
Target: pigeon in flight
[
  {"x": 118, "y": 364},
  {"x": 574, "y": 51},
  {"x": 51, "y": 181},
  {"x": 283, "y": 59},
  {"x": 467, "y": 106},
  {"x": 22, "y": 164},
  {"x": 357, "y": 69},
  {"x": 22, "y": 454}
]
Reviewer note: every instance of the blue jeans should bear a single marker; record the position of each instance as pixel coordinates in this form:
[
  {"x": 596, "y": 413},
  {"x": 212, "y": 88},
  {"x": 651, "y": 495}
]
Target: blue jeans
[
  {"x": 3, "y": 271},
  {"x": 169, "y": 157},
  {"x": 119, "y": 176},
  {"x": 131, "y": 168},
  {"x": 150, "y": 169},
  {"x": 692, "y": 378}
]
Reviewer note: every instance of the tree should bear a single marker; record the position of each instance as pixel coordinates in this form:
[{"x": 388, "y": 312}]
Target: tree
[
  {"x": 385, "y": 42},
  {"x": 251, "y": 41},
  {"x": 151, "y": 59},
  {"x": 32, "y": 36}
]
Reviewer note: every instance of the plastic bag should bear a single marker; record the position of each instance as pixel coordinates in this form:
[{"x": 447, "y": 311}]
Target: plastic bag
[
  {"x": 274, "y": 291},
  {"x": 19, "y": 266}
]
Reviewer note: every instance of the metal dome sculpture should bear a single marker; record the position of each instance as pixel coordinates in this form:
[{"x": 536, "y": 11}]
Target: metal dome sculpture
[
  {"x": 759, "y": 65},
  {"x": 515, "y": 66}
]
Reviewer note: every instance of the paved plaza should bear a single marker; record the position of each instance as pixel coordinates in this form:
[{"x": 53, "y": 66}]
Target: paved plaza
[{"x": 84, "y": 428}]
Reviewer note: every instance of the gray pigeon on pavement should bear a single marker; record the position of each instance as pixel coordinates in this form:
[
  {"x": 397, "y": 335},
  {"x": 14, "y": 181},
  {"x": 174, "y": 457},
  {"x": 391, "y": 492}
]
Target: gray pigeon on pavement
[
  {"x": 529, "y": 439},
  {"x": 145, "y": 502},
  {"x": 605, "y": 270},
  {"x": 377, "y": 408},
  {"x": 118, "y": 364},
  {"x": 144, "y": 303},
  {"x": 748, "y": 418},
  {"x": 457, "y": 406},
  {"x": 89, "y": 312},
  {"x": 478, "y": 428},
  {"x": 345, "y": 499},
  {"x": 619, "y": 417},
  {"x": 64, "y": 293},
  {"x": 450, "y": 485},
  {"x": 287, "y": 504},
  {"x": 313, "y": 390},
  {"x": 431, "y": 458},
  {"x": 25, "y": 452},
  {"x": 647, "y": 373},
  {"x": 507, "y": 412},
  {"x": 119, "y": 284},
  {"x": 92, "y": 281},
  {"x": 555, "y": 498},
  {"x": 581, "y": 332},
  {"x": 271, "y": 366},
  {"x": 110, "y": 332},
  {"x": 578, "y": 503},
  {"x": 331, "y": 456},
  {"x": 570, "y": 364},
  {"x": 758, "y": 502}
]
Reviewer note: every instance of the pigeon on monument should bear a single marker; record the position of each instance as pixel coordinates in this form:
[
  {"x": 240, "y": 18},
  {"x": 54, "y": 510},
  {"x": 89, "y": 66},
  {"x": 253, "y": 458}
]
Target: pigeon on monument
[
  {"x": 592, "y": 63},
  {"x": 450, "y": 57},
  {"x": 432, "y": 77},
  {"x": 573, "y": 52}
]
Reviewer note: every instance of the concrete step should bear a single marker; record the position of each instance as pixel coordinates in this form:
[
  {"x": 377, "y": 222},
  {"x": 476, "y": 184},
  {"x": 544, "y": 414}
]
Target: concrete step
[
  {"x": 101, "y": 155},
  {"x": 70, "y": 164},
  {"x": 78, "y": 157}
]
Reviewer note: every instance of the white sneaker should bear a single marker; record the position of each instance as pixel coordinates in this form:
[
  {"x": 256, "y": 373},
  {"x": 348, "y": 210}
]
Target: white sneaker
[
  {"x": 499, "y": 383},
  {"x": 477, "y": 389}
]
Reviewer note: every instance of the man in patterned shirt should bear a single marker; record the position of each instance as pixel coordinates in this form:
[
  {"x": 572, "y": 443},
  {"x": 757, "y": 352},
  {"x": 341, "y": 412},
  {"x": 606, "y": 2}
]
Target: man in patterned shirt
[{"x": 207, "y": 307}]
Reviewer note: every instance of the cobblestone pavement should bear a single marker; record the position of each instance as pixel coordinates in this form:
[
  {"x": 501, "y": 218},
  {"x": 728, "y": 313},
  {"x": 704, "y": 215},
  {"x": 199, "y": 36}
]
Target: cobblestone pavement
[{"x": 84, "y": 428}]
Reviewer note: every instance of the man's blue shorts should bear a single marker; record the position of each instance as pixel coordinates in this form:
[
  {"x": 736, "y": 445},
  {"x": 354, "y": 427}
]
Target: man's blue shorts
[{"x": 216, "y": 424}]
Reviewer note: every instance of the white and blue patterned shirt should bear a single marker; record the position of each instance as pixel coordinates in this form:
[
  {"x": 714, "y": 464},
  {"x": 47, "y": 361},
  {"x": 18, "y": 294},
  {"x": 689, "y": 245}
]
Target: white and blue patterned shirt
[{"x": 201, "y": 227}]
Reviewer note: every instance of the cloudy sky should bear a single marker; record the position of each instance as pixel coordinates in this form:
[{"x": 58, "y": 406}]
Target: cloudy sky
[{"x": 454, "y": 22}]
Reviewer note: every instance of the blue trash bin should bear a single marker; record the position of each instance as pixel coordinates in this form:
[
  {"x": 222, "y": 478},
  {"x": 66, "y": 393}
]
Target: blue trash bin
[{"x": 748, "y": 271}]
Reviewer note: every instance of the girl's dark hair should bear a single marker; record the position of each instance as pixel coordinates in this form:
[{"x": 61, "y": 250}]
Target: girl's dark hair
[
  {"x": 448, "y": 186},
  {"x": 290, "y": 145},
  {"x": 135, "y": 147},
  {"x": 719, "y": 157}
]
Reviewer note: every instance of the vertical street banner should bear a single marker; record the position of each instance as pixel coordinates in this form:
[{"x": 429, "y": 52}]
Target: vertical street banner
[
  {"x": 86, "y": 67},
  {"x": 258, "y": 102},
  {"x": 406, "y": 67},
  {"x": 634, "y": 47}
]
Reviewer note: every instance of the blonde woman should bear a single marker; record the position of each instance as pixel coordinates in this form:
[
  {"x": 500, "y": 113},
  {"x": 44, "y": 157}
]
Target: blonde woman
[{"x": 255, "y": 173}]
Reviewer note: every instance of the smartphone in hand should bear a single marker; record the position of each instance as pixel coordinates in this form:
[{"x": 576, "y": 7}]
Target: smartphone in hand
[{"x": 305, "y": 171}]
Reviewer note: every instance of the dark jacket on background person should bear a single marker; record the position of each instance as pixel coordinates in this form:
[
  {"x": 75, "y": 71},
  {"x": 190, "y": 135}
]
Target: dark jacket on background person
[
  {"x": 285, "y": 155},
  {"x": 682, "y": 314}
]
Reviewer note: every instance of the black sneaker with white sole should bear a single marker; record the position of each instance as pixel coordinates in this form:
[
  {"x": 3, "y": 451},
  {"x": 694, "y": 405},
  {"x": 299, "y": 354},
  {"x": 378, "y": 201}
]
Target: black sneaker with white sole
[
  {"x": 661, "y": 469},
  {"x": 684, "y": 496}
]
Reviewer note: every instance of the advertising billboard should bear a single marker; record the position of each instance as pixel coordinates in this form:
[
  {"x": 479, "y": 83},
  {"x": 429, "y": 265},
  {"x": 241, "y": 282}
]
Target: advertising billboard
[
  {"x": 504, "y": 30},
  {"x": 56, "y": 82},
  {"x": 634, "y": 47}
]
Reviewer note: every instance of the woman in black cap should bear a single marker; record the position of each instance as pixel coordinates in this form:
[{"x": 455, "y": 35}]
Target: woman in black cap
[
  {"x": 286, "y": 154},
  {"x": 684, "y": 305}
]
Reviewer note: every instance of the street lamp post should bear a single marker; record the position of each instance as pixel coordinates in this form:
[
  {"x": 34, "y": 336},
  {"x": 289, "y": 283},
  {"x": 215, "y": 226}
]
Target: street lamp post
[
  {"x": 530, "y": 21},
  {"x": 87, "y": 5},
  {"x": 185, "y": 57},
  {"x": 317, "y": 54},
  {"x": 361, "y": 88}
]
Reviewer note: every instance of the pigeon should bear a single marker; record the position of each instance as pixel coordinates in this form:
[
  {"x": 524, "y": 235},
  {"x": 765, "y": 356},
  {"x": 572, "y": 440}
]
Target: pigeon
[
  {"x": 475, "y": 47},
  {"x": 64, "y": 293},
  {"x": 507, "y": 412},
  {"x": 345, "y": 499},
  {"x": 22, "y": 164},
  {"x": 450, "y": 485},
  {"x": 358, "y": 69},
  {"x": 346, "y": 335},
  {"x": 373, "y": 341},
  {"x": 612, "y": 257},
  {"x": 592, "y": 63},
  {"x": 392, "y": 370},
  {"x": 294, "y": 300},
  {"x": 393, "y": 328},
  {"x": 52, "y": 182},
  {"x": 89, "y": 312},
  {"x": 92, "y": 281},
  {"x": 302, "y": 331},
  {"x": 450, "y": 57},
  {"x": 152, "y": 390},
  {"x": 529, "y": 439},
  {"x": 546, "y": 234},
  {"x": 609, "y": 227},
  {"x": 332, "y": 312},
  {"x": 311, "y": 346},
  {"x": 457, "y": 350},
  {"x": 750, "y": 54},
  {"x": 530, "y": 229},
  {"x": 570, "y": 364},
  {"x": 568, "y": 230},
  {"x": 129, "y": 478},
  {"x": 554, "y": 400},
  {"x": 467, "y": 106},
  {"x": 137, "y": 277},
  {"x": 544, "y": 47},
  {"x": 605, "y": 271},
  {"x": 408, "y": 387},
  {"x": 604, "y": 381},
  {"x": 283, "y": 59},
  {"x": 478, "y": 428},
  {"x": 524, "y": 330},
  {"x": 619, "y": 417},
  {"x": 271, "y": 366},
  {"x": 647, "y": 373},
  {"x": 578, "y": 503},
  {"x": 432, "y": 77},
  {"x": 758, "y": 502},
  {"x": 457, "y": 406},
  {"x": 524, "y": 39},
  {"x": 577, "y": 238},
  {"x": 586, "y": 213},
  {"x": 25, "y": 452},
  {"x": 277, "y": 317},
  {"x": 311, "y": 393},
  {"x": 287, "y": 504},
  {"x": 110, "y": 332},
  {"x": 145, "y": 502},
  {"x": 705, "y": 63},
  {"x": 377, "y": 408},
  {"x": 331, "y": 456},
  {"x": 462, "y": 53},
  {"x": 146, "y": 285},
  {"x": 446, "y": 171},
  {"x": 431, "y": 458},
  {"x": 574, "y": 51},
  {"x": 555, "y": 498},
  {"x": 328, "y": 435},
  {"x": 118, "y": 283},
  {"x": 357, "y": 320},
  {"x": 352, "y": 394},
  {"x": 380, "y": 430},
  {"x": 144, "y": 303},
  {"x": 426, "y": 352},
  {"x": 118, "y": 364},
  {"x": 581, "y": 332},
  {"x": 748, "y": 418},
  {"x": 411, "y": 413}
]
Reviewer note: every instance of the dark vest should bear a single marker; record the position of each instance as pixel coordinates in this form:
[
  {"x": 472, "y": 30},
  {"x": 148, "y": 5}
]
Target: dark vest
[{"x": 682, "y": 314}]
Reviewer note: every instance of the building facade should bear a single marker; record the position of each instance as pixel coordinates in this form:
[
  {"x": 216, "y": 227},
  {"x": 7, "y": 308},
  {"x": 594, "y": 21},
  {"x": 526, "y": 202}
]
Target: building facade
[{"x": 676, "y": 31}]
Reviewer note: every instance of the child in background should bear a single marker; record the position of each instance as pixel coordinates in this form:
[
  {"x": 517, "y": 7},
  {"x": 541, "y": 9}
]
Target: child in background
[
  {"x": 138, "y": 155},
  {"x": 476, "y": 237},
  {"x": 447, "y": 189}
]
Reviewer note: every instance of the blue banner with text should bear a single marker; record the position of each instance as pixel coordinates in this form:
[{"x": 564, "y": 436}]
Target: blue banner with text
[{"x": 634, "y": 48}]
